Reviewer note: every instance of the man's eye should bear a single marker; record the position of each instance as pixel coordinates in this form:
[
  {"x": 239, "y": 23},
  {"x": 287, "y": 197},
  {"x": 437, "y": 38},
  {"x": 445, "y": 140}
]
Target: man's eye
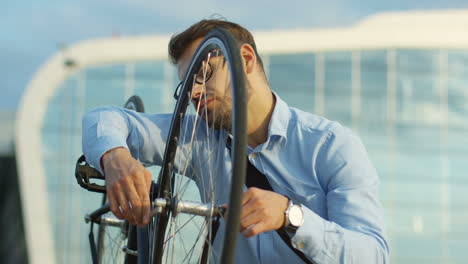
[
  {"x": 200, "y": 72},
  {"x": 203, "y": 73}
]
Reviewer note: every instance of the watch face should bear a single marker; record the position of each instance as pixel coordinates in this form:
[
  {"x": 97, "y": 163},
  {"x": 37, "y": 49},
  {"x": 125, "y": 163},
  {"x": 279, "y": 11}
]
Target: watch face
[{"x": 295, "y": 215}]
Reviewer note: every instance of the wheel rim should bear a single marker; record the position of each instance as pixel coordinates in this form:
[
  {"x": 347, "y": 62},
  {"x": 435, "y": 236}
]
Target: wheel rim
[{"x": 198, "y": 152}]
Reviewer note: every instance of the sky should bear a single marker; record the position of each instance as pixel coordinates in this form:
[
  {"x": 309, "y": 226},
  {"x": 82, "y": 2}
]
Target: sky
[{"x": 32, "y": 31}]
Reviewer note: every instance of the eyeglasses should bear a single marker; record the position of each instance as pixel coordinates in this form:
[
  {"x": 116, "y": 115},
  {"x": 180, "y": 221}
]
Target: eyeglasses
[{"x": 204, "y": 73}]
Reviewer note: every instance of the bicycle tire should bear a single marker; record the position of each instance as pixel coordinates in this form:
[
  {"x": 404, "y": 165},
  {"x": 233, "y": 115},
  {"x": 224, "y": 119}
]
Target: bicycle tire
[
  {"x": 219, "y": 40},
  {"x": 134, "y": 103}
]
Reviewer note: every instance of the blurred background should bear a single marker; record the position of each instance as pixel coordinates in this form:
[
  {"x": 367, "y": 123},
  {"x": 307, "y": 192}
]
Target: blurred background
[{"x": 396, "y": 72}]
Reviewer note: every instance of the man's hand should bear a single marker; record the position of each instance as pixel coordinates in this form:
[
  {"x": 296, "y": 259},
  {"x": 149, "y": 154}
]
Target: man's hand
[
  {"x": 128, "y": 184},
  {"x": 262, "y": 211}
]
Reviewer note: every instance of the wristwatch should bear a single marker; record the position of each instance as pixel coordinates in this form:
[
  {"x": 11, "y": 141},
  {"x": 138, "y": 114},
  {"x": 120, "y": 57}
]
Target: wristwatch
[{"x": 294, "y": 217}]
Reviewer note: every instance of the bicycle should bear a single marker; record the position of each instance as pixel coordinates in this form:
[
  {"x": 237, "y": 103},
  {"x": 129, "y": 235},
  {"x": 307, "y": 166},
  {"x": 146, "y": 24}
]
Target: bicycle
[
  {"x": 194, "y": 151},
  {"x": 86, "y": 175}
]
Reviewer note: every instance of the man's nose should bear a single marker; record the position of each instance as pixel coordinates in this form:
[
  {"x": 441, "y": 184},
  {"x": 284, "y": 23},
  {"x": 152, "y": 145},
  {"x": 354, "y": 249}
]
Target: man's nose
[{"x": 197, "y": 91}]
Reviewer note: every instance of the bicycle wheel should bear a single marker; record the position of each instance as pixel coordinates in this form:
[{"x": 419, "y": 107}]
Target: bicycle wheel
[
  {"x": 117, "y": 239},
  {"x": 135, "y": 103},
  {"x": 201, "y": 162},
  {"x": 113, "y": 235}
]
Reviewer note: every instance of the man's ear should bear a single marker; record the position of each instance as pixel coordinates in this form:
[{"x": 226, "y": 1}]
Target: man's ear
[{"x": 249, "y": 59}]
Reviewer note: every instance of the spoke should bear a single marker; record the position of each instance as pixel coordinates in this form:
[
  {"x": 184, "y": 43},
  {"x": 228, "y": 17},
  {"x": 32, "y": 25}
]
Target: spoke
[
  {"x": 184, "y": 152},
  {"x": 199, "y": 176},
  {"x": 167, "y": 239},
  {"x": 175, "y": 235},
  {"x": 191, "y": 251},
  {"x": 113, "y": 242},
  {"x": 201, "y": 146},
  {"x": 173, "y": 241}
]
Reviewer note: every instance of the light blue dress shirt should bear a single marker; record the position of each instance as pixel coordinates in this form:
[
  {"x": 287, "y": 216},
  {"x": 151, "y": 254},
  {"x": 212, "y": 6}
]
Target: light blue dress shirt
[{"x": 310, "y": 159}]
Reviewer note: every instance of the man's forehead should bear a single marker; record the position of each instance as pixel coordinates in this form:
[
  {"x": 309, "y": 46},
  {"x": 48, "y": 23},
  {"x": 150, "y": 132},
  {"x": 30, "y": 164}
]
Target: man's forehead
[{"x": 184, "y": 61}]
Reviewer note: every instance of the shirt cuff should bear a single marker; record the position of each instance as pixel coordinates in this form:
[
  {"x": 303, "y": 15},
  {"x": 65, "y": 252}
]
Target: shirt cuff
[
  {"x": 95, "y": 147},
  {"x": 317, "y": 238}
]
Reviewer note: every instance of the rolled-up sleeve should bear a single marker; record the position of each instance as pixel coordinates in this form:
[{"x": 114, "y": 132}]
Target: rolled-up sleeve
[
  {"x": 353, "y": 229},
  {"x": 110, "y": 127}
]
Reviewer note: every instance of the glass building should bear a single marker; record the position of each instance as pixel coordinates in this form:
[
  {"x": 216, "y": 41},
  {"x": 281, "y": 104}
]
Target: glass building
[{"x": 399, "y": 80}]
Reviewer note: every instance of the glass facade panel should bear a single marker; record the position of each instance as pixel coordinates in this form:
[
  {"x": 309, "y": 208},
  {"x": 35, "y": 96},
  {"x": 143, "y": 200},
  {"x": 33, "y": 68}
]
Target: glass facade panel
[
  {"x": 417, "y": 85},
  {"x": 337, "y": 86},
  {"x": 373, "y": 86},
  {"x": 104, "y": 85},
  {"x": 61, "y": 141},
  {"x": 293, "y": 77},
  {"x": 407, "y": 105},
  {"x": 156, "y": 85},
  {"x": 412, "y": 117}
]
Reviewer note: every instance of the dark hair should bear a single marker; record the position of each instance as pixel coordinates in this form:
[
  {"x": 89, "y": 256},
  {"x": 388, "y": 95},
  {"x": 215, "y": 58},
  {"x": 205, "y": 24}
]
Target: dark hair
[{"x": 179, "y": 42}]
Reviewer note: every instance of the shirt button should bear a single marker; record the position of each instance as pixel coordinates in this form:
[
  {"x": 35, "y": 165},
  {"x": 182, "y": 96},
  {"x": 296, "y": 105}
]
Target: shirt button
[{"x": 253, "y": 155}]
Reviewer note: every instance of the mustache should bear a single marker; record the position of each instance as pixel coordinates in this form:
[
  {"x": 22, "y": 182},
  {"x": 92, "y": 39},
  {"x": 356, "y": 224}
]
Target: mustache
[{"x": 203, "y": 98}]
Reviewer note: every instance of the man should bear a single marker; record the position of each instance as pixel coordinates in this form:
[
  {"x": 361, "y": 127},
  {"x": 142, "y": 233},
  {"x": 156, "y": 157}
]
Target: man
[{"x": 316, "y": 167}]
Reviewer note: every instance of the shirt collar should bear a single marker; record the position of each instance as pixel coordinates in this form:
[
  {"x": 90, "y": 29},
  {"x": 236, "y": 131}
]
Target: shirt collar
[{"x": 279, "y": 121}]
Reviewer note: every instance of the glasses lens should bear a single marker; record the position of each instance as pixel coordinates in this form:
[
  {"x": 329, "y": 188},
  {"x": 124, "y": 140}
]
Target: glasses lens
[
  {"x": 206, "y": 70},
  {"x": 204, "y": 73}
]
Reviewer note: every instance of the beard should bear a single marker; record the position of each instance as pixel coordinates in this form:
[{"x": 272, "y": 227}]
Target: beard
[
  {"x": 221, "y": 121},
  {"x": 219, "y": 117}
]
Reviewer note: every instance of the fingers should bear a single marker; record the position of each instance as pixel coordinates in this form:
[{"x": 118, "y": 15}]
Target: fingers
[
  {"x": 142, "y": 198},
  {"x": 262, "y": 211},
  {"x": 250, "y": 201},
  {"x": 134, "y": 203},
  {"x": 125, "y": 208},
  {"x": 114, "y": 204},
  {"x": 249, "y": 194},
  {"x": 254, "y": 230},
  {"x": 119, "y": 204},
  {"x": 251, "y": 219},
  {"x": 128, "y": 184}
]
